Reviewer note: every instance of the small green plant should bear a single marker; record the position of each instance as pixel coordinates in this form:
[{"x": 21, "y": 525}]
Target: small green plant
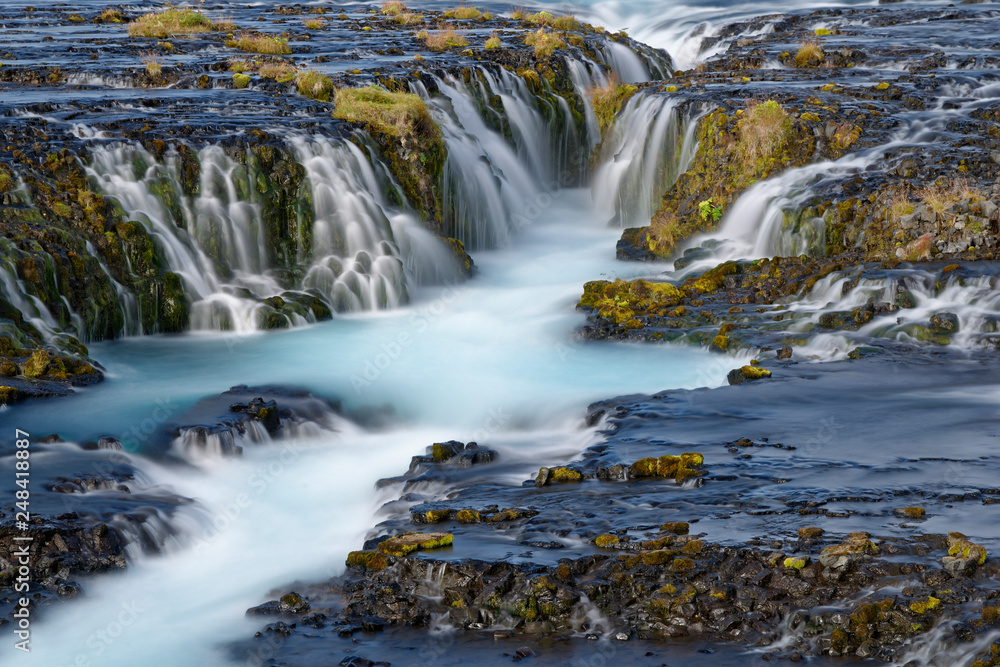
[
  {"x": 493, "y": 42},
  {"x": 241, "y": 80},
  {"x": 709, "y": 210}
]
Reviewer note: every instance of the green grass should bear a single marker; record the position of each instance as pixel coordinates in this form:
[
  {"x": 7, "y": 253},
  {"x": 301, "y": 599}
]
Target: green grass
[
  {"x": 265, "y": 44},
  {"x": 545, "y": 43},
  {"x": 170, "y": 23},
  {"x": 493, "y": 42},
  {"x": 394, "y": 114},
  {"x": 315, "y": 85}
]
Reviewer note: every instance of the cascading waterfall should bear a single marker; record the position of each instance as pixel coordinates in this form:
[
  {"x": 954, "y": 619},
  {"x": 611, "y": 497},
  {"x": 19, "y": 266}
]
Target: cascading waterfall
[
  {"x": 364, "y": 253},
  {"x": 647, "y": 148}
]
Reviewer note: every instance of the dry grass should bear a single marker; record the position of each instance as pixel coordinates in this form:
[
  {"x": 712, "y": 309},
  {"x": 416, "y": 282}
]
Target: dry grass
[
  {"x": 393, "y": 8},
  {"x": 463, "y": 12},
  {"x": 396, "y": 114},
  {"x": 280, "y": 72},
  {"x": 152, "y": 63},
  {"x": 764, "y": 129},
  {"x": 314, "y": 24},
  {"x": 545, "y": 43},
  {"x": 315, "y": 85},
  {"x": 111, "y": 16},
  {"x": 608, "y": 100},
  {"x": 439, "y": 40},
  {"x": 810, "y": 54},
  {"x": 493, "y": 42},
  {"x": 546, "y": 19},
  {"x": 409, "y": 18},
  {"x": 170, "y": 22},
  {"x": 266, "y": 44},
  {"x": 898, "y": 201},
  {"x": 940, "y": 195}
]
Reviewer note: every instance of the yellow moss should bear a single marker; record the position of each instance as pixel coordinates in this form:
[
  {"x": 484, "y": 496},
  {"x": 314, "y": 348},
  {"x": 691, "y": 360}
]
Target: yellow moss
[
  {"x": 241, "y": 80},
  {"x": 960, "y": 546},
  {"x": 754, "y": 372},
  {"x": 676, "y": 527},
  {"x": 682, "y": 565},
  {"x": 468, "y": 516},
  {"x": 606, "y": 540},
  {"x": 37, "y": 364},
  {"x": 882, "y": 86},
  {"x": 371, "y": 560},
  {"x": 720, "y": 343},
  {"x": 925, "y": 606},
  {"x": 658, "y": 557},
  {"x": 693, "y": 547},
  {"x": 796, "y": 563},
  {"x": 435, "y": 516},
  {"x": 407, "y": 543},
  {"x": 912, "y": 512}
]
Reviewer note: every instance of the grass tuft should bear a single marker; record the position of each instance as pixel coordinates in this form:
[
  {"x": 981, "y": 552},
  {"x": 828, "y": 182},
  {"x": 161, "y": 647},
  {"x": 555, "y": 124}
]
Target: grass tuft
[
  {"x": 608, "y": 100},
  {"x": 493, "y": 42},
  {"x": 395, "y": 114},
  {"x": 152, "y": 63},
  {"x": 439, "y": 40},
  {"x": 170, "y": 22},
  {"x": 463, "y": 12},
  {"x": 314, "y": 85},
  {"x": 111, "y": 16},
  {"x": 265, "y": 44},
  {"x": 809, "y": 54},
  {"x": 314, "y": 24},
  {"x": 764, "y": 130},
  {"x": 409, "y": 18},
  {"x": 393, "y": 8},
  {"x": 545, "y": 43}
]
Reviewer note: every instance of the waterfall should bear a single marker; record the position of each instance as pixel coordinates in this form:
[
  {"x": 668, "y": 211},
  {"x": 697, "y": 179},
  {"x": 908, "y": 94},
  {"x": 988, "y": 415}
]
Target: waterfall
[
  {"x": 645, "y": 151},
  {"x": 365, "y": 254}
]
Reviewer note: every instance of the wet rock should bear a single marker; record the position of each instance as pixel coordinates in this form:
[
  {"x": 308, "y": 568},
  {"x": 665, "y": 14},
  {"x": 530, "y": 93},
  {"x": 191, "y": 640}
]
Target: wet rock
[
  {"x": 746, "y": 374},
  {"x": 946, "y": 323}
]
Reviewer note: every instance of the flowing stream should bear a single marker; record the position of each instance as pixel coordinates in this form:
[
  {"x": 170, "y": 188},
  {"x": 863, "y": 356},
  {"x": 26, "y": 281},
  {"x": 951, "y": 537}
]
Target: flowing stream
[{"x": 414, "y": 353}]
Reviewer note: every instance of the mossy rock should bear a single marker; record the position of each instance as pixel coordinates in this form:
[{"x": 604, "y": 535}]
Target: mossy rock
[
  {"x": 668, "y": 466},
  {"x": 407, "y": 543}
]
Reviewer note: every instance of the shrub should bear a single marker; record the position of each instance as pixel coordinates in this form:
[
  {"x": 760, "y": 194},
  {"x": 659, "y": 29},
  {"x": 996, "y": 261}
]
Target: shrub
[
  {"x": 314, "y": 85},
  {"x": 809, "y": 54},
  {"x": 608, "y": 100},
  {"x": 764, "y": 129},
  {"x": 260, "y": 44},
  {"x": 545, "y": 43},
  {"x": 170, "y": 22}
]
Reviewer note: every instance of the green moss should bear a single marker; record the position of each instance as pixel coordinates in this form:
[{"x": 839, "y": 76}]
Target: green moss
[
  {"x": 676, "y": 527},
  {"x": 720, "y": 343},
  {"x": 622, "y": 300},
  {"x": 668, "y": 466},
  {"x": 754, "y": 372},
  {"x": 436, "y": 516},
  {"x": 241, "y": 80},
  {"x": 8, "y": 395},
  {"x": 682, "y": 565}
]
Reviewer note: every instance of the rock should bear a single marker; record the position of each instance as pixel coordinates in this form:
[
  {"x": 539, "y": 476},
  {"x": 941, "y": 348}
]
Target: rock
[
  {"x": 946, "y": 323},
  {"x": 290, "y": 604},
  {"x": 746, "y": 374},
  {"x": 559, "y": 474},
  {"x": 910, "y": 512},
  {"x": 785, "y": 352}
]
